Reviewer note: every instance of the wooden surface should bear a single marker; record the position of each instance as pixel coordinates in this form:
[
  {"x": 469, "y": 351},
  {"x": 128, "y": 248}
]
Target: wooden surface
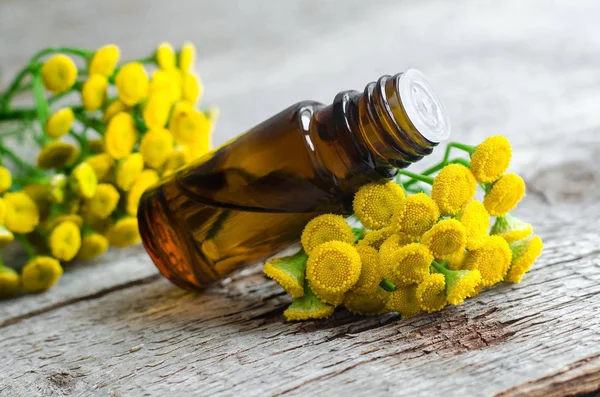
[{"x": 527, "y": 69}]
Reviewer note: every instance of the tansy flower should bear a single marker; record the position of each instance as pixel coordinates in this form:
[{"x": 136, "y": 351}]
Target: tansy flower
[
  {"x": 374, "y": 238},
  {"x": 55, "y": 155},
  {"x": 189, "y": 125},
  {"x": 525, "y": 252},
  {"x": 198, "y": 148},
  {"x": 374, "y": 203},
  {"x": 95, "y": 145},
  {"x": 167, "y": 83},
  {"x": 128, "y": 170},
  {"x": 83, "y": 180},
  {"x": 114, "y": 108},
  {"x": 5, "y": 179},
  {"x": 132, "y": 83},
  {"x": 120, "y": 136},
  {"x": 404, "y": 301},
  {"x": 39, "y": 193},
  {"x": 57, "y": 188},
  {"x": 2, "y": 211},
  {"x": 59, "y": 73},
  {"x": 324, "y": 228},
  {"x": 370, "y": 271},
  {"x": 491, "y": 159},
  {"x": 288, "y": 272},
  {"x": 446, "y": 237},
  {"x": 511, "y": 228},
  {"x": 307, "y": 307},
  {"x": 6, "y": 237},
  {"x": 102, "y": 164},
  {"x": 93, "y": 93},
  {"x": 22, "y": 215},
  {"x": 59, "y": 123},
  {"x": 191, "y": 88},
  {"x": 57, "y": 220},
  {"x": 104, "y": 201},
  {"x": 9, "y": 281},
  {"x": 65, "y": 241},
  {"x": 332, "y": 269},
  {"x": 409, "y": 265},
  {"x": 124, "y": 233},
  {"x": 504, "y": 195},
  {"x": 476, "y": 220},
  {"x": 156, "y": 111},
  {"x": 431, "y": 293},
  {"x": 104, "y": 60},
  {"x": 165, "y": 56},
  {"x": 92, "y": 246},
  {"x": 366, "y": 304},
  {"x": 453, "y": 188},
  {"x": 389, "y": 247},
  {"x": 40, "y": 274},
  {"x": 187, "y": 56},
  {"x": 175, "y": 160},
  {"x": 456, "y": 260},
  {"x": 460, "y": 285},
  {"x": 146, "y": 179},
  {"x": 492, "y": 260},
  {"x": 415, "y": 215},
  {"x": 155, "y": 147}
]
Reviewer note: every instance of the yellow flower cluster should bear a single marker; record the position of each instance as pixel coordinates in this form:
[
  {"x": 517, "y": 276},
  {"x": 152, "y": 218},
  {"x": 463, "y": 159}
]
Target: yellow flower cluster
[
  {"x": 134, "y": 123},
  {"x": 417, "y": 252}
]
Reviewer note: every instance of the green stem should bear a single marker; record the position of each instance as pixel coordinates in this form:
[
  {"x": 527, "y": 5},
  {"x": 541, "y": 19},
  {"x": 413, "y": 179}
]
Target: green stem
[
  {"x": 41, "y": 104},
  {"x": 14, "y": 87},
  {"x": 418, "y": 177},
  {"x": 440, "y": 268},
  {"x": 17, "y": 114},
  {"x": 387, "y": 285},
  {"x": 29, "y": 249}
]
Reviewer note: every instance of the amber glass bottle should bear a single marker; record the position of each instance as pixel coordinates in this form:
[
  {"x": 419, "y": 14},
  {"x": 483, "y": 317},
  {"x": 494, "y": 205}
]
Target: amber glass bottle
[{"x": 251, "y": 197}]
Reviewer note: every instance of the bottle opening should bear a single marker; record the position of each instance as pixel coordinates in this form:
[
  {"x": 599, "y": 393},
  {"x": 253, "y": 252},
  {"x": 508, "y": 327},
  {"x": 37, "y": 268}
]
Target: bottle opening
[{"x": 423, "y": 107}]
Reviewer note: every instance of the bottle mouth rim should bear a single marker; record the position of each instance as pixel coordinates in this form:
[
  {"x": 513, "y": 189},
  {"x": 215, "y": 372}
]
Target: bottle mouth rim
[{"x": 423, "y": 107}]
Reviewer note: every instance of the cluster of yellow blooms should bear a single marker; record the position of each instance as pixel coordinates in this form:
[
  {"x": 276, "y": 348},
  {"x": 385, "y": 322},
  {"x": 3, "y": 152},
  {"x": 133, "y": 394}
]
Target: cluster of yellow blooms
[
  {"x": 417, "y": 252},
  {"x": 132, "y": 124}
]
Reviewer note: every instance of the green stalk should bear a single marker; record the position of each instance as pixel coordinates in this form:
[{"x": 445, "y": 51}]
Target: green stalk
[
  {"x": 418, "y": 177},
  {"x": 29, "y": 249},
  {"x": 387, "y": 285}
]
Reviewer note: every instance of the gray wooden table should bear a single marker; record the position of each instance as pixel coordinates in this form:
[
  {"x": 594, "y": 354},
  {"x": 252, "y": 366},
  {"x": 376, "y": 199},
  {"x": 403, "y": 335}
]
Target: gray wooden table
[{"x": 526, "y": 69}]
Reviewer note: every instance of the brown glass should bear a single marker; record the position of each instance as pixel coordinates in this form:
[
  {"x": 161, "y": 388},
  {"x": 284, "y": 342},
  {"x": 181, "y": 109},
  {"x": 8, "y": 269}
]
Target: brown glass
[{"x": 251, "y": 197}]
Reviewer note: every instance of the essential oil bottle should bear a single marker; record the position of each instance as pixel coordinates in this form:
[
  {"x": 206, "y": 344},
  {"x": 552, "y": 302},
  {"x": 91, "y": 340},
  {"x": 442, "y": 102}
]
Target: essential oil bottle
[{"x": 251, "y": 197}]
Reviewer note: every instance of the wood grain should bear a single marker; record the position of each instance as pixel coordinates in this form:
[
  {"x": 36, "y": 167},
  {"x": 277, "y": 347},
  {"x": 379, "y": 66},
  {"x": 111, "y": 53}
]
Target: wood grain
[{"x": 529, "y": 70}]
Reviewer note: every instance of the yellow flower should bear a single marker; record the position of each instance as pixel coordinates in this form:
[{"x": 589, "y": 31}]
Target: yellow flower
[
  {"x": 492, "y": 260},
  {"x": 288, "y": 272},
  {"x": 167, "y": 83},
  {"x": 189, "y": 125},
  {"x": 128, "y": 170},
  {"x": 431, "y": 293},
  {"x": 102, "y": 164},
  {"x": 155, "y": 147},
  {"x": 187, "y": 56},
  {"x": 525, "y": 252},
  {"x": 307, "y": 307},
  {"x": 2, "y": 210},
  {"x": 5, "y": 179},
  {"x": 453, "y": 188},
  {"x": 40, "y": 195},
  {"x": 58, "y": 188},
  {"x": 175, "y": 160},
  {"x": 120, "y": 136},
  {"x": 370, "y": 271},
  {"x": 6, "y": 237},
  {"x": 404, "y": 301},
  {"x": 446, "y": 237},
  {"x": 114, "y": 108},
  {"x": 324, "y": 228},
  {"x": 93, "y": 93},
  {"x": 456, "y": 260},
  {"x": 59, "y": 73},
  {"x": 124, "y": 233},
  {"x": 156, "y": 111},
  {"x": 415, "y": 215},
  {"x": 55, "y": 155},
  {"x": 132, "y": 83},
  {"x": 83, "y": 180},
  {"x": 104, "y": 60},
  {"x": 511, "y": 228},
  {"x": 332, "y": 269},
  {"x": 146, "y": 179},
  {"x": 104, "y": 201},
  {"x": 409, "y": 265},
  {"x": 165, "y": 56},
  {"x": 375, "y": 238},
  {"x": 460, "y": 284},
  {"x": 65, "y": 241},
  {"x": 92, "y": 246},
  {"x": 60, "y": 122},
  {"x": 40, "y": 274},
  {"x": 22, "y": 215},
  {"x": 374, "y": 203},
  {"x": 191, "y": 88},
  {"x": 389, "y": 247},
  {"x": 9, "y": 281},
  {"x": 504, "y": 195},
  {"x": 96, "y": 145},
  {"x": 476, "y": 220},
  {"x": 196, "y": 149},
  {"x": 491, "y": 159},
  {"x": 366, "y": 304},
  {"x": 57, "y": 220}
]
